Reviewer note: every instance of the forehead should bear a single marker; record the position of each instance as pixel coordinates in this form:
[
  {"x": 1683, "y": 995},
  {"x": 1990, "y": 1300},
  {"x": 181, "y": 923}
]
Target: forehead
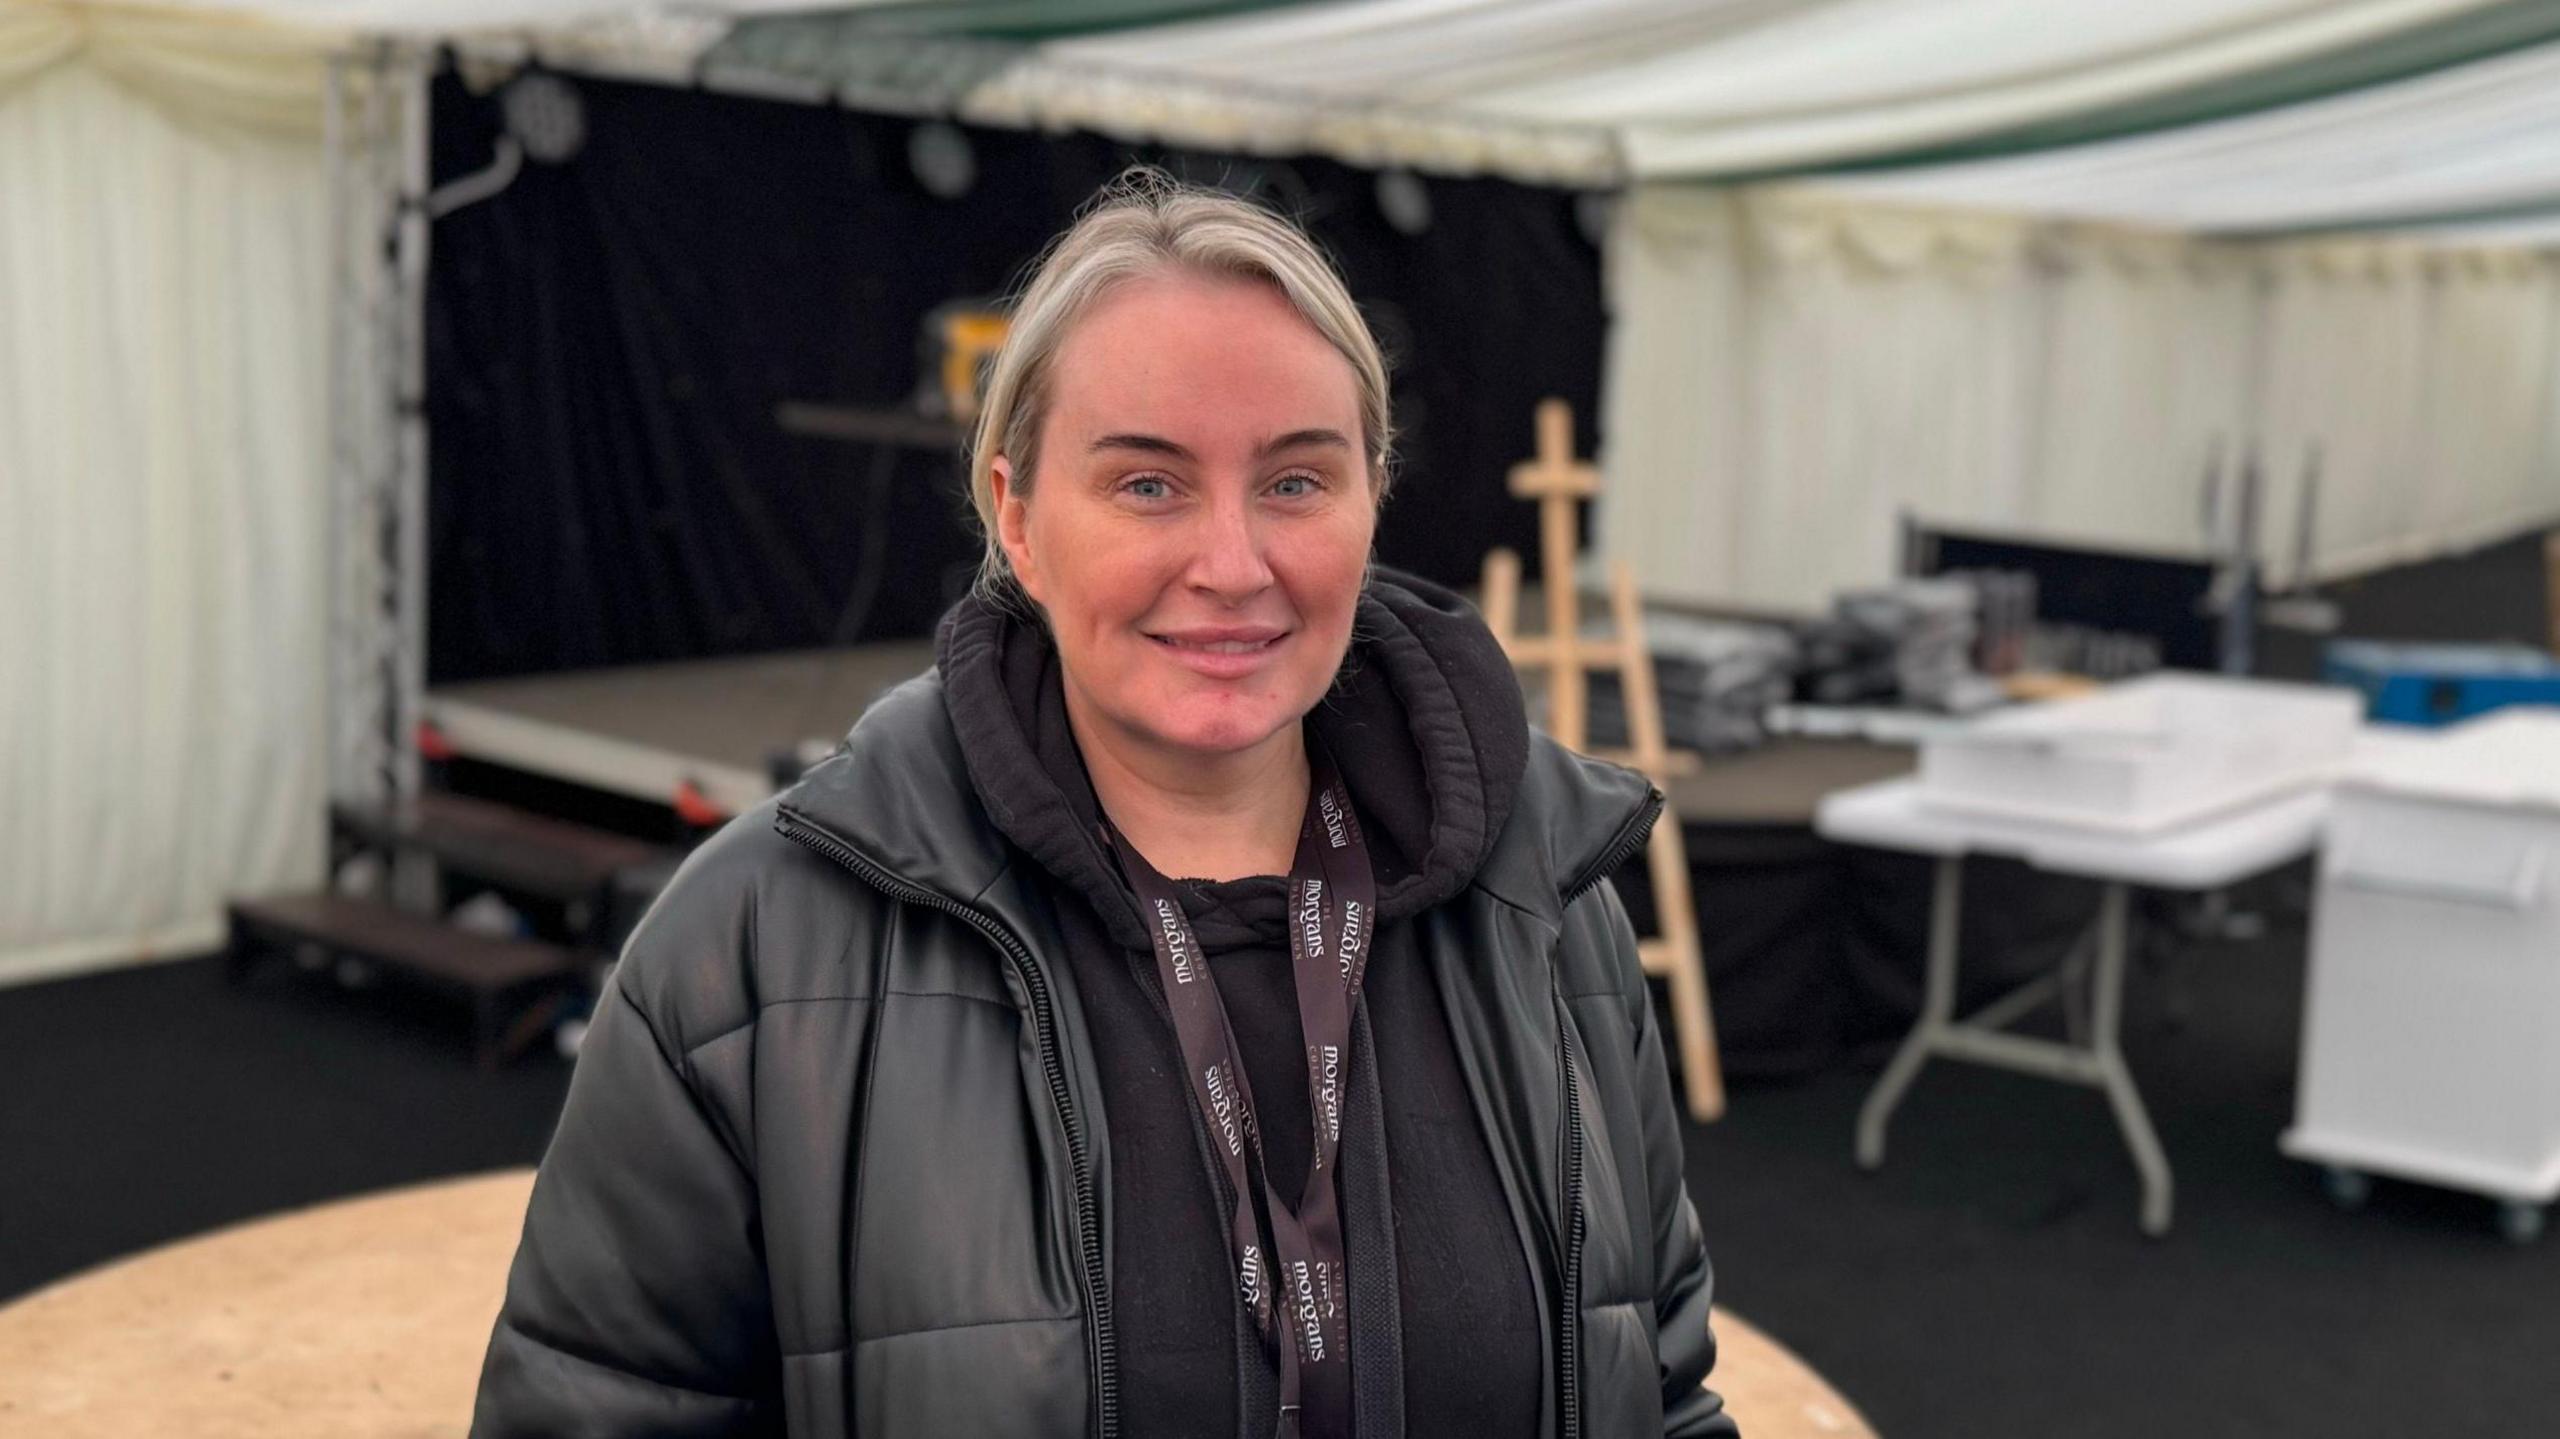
[{"x": 1208, "y": 362}]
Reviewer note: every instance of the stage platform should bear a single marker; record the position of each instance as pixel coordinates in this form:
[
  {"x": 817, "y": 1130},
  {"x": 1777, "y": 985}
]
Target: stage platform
[
  {"x": 1812, "y": 949},
  {"x": 644, "y": 730}
]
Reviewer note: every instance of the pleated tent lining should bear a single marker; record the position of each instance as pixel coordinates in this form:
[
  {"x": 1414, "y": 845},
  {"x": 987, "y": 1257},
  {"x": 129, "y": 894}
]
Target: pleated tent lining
[
  {"x": 162, "y": 491},
  {"x": 216, "y": 73},
  {"x": 1789, "y": 370}
]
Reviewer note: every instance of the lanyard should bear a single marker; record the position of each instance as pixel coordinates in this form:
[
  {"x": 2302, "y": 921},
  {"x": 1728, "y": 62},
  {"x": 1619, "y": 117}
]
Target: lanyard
[{"x": 1332, "y": 899}]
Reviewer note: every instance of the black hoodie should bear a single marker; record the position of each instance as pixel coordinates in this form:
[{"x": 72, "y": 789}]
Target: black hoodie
[{"x": 1426, "y": 724}]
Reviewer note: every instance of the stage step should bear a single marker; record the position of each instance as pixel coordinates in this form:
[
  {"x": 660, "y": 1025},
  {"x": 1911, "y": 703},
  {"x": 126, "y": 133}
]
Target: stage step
[
  {"x": 508, "y": 847},
  {"x": 497, "y": 974}
]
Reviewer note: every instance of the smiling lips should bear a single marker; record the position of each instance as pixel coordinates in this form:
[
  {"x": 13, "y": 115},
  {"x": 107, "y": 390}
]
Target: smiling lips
[{"x": 1226, "y": 652}]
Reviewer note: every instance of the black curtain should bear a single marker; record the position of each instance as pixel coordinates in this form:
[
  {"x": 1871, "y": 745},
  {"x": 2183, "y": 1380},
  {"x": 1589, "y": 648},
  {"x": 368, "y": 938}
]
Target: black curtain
[
  {"x": 608, "y": 338},
  {"x": 1815, "y": 951}
]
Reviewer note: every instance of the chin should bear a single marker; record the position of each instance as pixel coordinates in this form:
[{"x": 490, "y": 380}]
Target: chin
[{"x": 1218, "y": 729}]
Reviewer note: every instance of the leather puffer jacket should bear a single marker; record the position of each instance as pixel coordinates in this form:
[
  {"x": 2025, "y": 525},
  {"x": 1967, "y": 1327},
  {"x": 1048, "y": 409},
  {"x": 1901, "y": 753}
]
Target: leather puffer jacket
[{"x": 833, "y": 1160}]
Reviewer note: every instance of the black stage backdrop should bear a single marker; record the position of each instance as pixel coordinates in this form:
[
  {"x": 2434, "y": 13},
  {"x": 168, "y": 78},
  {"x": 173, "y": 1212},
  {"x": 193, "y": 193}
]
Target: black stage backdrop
[
  {"x": 609, "y": 336},
  {"x": 2111, "y": 591}
]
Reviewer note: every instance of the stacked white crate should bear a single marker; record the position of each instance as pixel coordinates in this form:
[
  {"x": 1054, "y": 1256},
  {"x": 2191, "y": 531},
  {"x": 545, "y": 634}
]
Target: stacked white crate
[
  {"x": 2431, "y": 1035},
  {"x": 2144, "y": 755}
]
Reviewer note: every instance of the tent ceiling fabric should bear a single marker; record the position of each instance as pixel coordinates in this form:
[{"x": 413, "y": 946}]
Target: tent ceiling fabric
[
  {"x": 1603, "y": 91},
  {"x": 1586, "y": 92},
  {"x": 459, "y": 17},
  {"x": 2478, "y": 141},
  {"x": 1699, "y": 88}
]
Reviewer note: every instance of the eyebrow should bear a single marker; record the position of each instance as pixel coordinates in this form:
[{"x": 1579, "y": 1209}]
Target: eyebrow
[{"x": 1159, "y": 445}]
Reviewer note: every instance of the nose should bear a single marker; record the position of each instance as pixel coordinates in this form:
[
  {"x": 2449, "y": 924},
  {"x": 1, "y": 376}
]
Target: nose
[{"x": 1228, "y": 563}]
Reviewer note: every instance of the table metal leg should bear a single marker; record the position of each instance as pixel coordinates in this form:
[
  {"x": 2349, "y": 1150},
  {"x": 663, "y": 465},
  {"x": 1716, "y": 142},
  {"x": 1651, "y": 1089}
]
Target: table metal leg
[
  {"x": 2075, "y": 983},
  {"x": 1937, "y": 1012},
  {"x": 2065, "y": 986},
  {"x": 2092, "y": 994},
  {"x": 2106, "y": 1016}
]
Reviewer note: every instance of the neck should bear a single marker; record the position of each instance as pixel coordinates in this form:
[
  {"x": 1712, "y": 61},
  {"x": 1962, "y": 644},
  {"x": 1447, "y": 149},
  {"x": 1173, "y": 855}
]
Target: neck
[{"x": 1195, "y": 816}]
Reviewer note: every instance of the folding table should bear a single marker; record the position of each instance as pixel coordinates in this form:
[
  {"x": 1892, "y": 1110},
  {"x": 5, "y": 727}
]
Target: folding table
[{"x": 2206, "y": 854}]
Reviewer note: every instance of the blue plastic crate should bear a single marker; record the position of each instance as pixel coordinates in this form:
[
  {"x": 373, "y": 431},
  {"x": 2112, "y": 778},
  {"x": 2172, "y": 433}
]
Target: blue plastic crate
[{"x": 2437, "y": 684}]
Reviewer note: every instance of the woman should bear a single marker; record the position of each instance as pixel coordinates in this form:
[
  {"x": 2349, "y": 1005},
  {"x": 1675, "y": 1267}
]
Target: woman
[{"x": 925, "y": 1103}]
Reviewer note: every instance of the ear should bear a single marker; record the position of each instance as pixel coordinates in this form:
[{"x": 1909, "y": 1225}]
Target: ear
[{"x": 1013, "y": 527}]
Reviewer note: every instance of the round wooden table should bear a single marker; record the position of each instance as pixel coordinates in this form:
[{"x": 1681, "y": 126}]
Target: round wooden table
[{"x": 367, "y": 1318}]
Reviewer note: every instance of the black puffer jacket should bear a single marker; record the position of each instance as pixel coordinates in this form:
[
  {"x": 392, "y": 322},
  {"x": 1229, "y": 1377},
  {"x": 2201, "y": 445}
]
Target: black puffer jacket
[{"x": 834, "y": 1160}]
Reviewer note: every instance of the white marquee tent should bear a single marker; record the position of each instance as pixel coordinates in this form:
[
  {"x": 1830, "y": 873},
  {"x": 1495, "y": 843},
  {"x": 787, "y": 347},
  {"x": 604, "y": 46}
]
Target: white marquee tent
[{"x": 2040, "y": 342}]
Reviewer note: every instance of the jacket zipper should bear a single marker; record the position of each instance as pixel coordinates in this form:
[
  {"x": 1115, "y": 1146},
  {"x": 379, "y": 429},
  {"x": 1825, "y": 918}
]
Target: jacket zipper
[
  {"x": 1106, "y": 1380},
  {"x": 1569, "y": 1335},
  {"x": 1621, "y": 848}
]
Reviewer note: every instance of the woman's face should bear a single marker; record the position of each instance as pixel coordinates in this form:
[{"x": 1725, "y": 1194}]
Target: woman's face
[{"x": 1200, "y": 521}]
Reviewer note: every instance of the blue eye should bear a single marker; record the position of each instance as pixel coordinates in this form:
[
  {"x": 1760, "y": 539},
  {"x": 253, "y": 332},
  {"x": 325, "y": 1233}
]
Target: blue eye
[
  {"x": 1147, "y": 487},
  {"x": 1295, "y": 486}
]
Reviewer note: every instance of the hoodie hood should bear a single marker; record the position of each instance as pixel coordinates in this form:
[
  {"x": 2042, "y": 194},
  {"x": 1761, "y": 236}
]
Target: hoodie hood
[
  {"x": 902, "y": 798},
  {"x": 1424, "y": 720}
]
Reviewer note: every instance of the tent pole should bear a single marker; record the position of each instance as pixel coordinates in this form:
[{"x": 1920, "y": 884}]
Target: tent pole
[{"x": 409, "y": 678}]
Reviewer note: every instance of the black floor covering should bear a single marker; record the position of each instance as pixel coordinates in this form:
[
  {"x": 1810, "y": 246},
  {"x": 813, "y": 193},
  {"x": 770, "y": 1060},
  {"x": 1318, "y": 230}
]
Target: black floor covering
[
  {"x": 140, "y": 1105},
  {"x": 1989, "y": 1281}
]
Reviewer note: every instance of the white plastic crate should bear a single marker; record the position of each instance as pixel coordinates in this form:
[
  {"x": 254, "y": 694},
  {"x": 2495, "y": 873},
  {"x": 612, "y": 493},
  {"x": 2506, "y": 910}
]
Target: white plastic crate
[
  {"x": 2431, "y": 1034},
  {"x": 2147, "y": 754}
]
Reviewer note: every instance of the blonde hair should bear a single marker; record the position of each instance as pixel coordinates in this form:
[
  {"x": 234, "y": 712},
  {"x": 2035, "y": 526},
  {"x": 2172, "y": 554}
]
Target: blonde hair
[{"x": 1147, "y": 223}]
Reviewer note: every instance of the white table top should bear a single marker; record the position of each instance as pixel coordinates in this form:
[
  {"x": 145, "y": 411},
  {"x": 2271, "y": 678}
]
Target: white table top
[{"x": 2207, "y": 854}]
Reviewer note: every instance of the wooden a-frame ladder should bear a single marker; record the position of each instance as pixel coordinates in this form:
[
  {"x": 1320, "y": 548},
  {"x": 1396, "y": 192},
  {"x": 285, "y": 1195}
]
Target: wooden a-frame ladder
[{"x": 1556, "y": 480}]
